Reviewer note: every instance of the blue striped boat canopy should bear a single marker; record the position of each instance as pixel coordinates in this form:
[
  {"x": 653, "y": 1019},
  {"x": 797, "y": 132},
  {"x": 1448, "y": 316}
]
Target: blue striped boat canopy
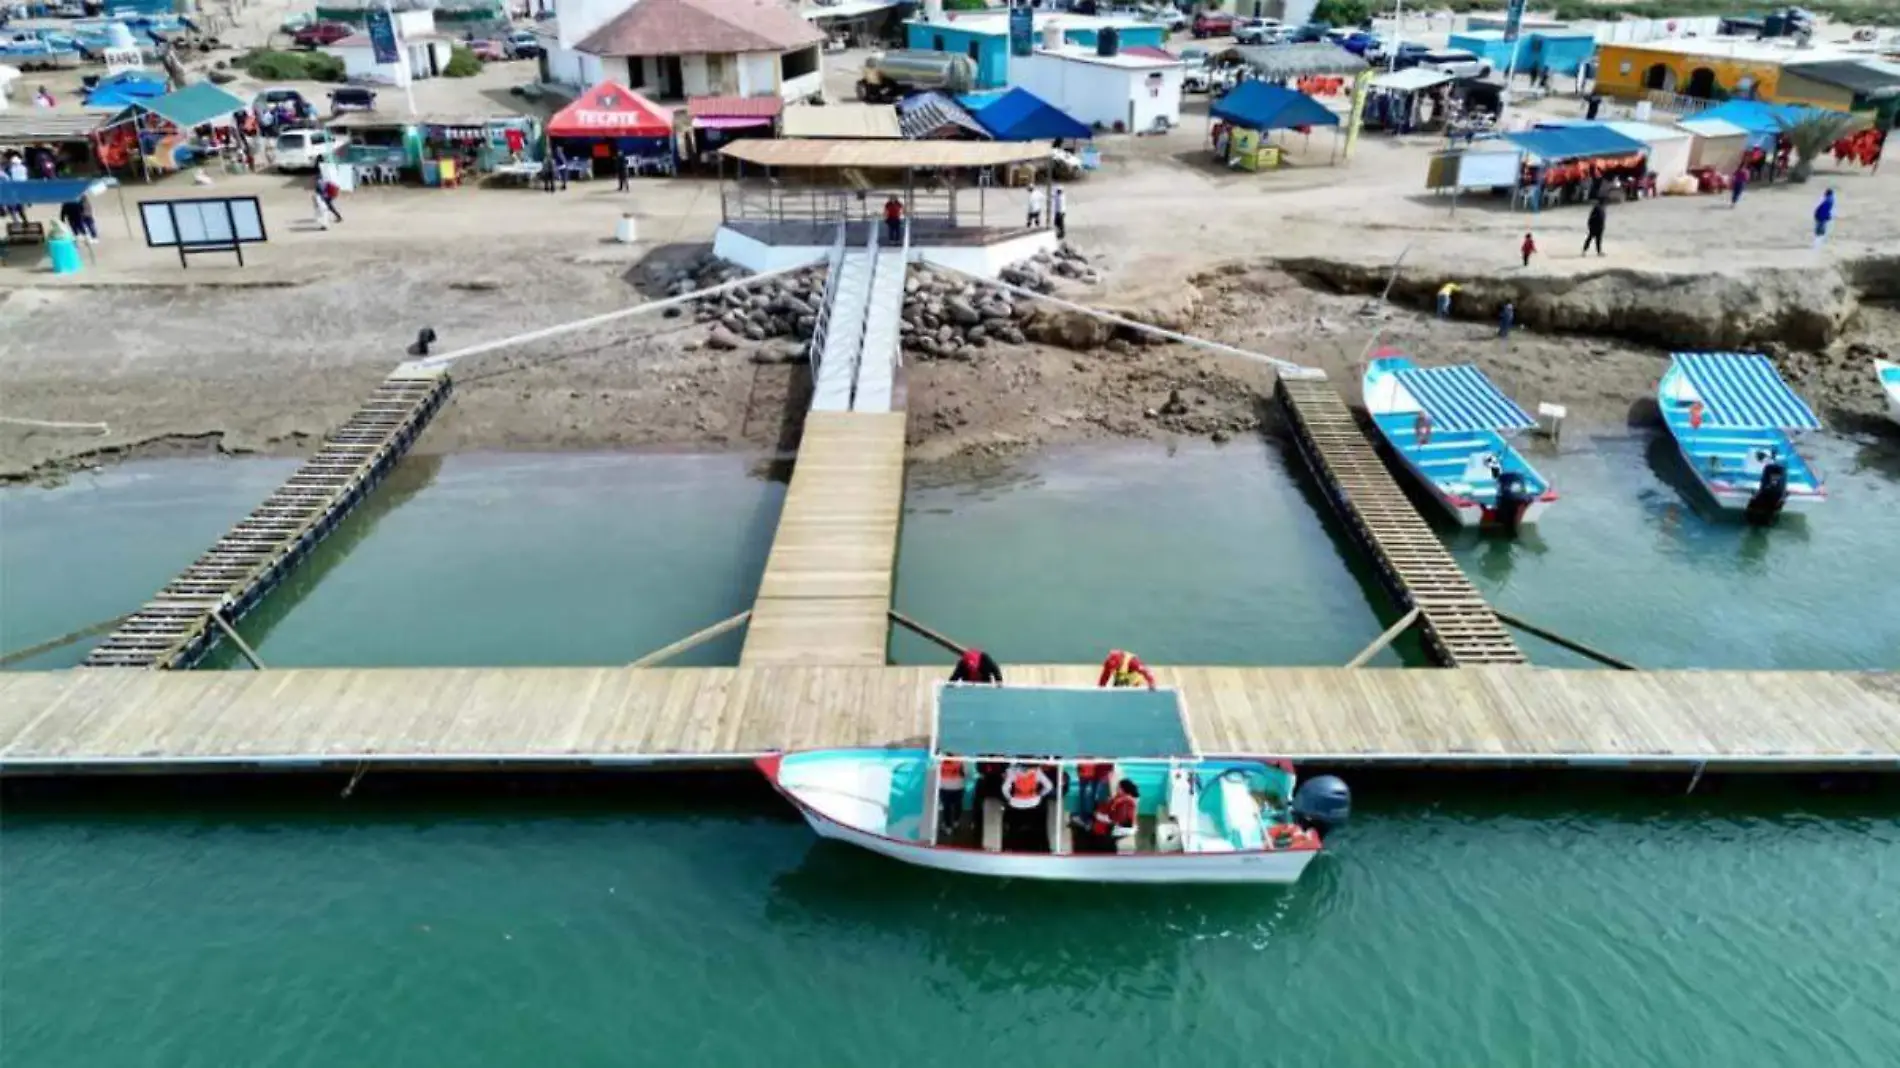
[
  {"x": 1460, "y": 398},
  {"x": 1743, "y": 391}
]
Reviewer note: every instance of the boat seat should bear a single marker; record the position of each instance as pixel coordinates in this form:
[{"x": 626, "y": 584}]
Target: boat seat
[{"x": 992, "y": 825}]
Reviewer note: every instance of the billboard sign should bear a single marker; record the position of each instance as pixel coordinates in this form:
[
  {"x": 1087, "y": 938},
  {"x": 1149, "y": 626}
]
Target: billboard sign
[
  {"x": 1513, "y": 20},
  {"x": 1022, "y": 30},
  {"x": 382, "y": 35}
]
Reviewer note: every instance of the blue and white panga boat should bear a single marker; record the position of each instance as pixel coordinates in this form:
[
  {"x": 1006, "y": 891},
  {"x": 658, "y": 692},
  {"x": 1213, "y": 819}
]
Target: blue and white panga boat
[
  {"x": 1889, "y": 376},
  {"x": 1087, "y": 785},
  {"x": 1732, "y": 417},
  {"x": 1448, "y": 425}
]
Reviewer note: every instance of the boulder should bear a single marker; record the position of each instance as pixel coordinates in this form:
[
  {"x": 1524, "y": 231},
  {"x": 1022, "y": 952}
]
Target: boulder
[
  {"x": 722, "y": 338},
  {"x": 962, "y": 312}
]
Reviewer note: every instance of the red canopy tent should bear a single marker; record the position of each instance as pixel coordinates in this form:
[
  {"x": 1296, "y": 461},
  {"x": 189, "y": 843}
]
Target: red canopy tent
[{"x": 609, "y": 110}]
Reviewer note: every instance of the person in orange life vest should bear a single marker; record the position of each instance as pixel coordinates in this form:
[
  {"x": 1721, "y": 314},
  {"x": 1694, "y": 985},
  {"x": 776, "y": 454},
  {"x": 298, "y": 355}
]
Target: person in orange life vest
[
  {"x": 1125, "y": 669},
  {"x": 977, "y": 666},
  {"x": 1113, "y": 818},
  {"x": 952, "y": 776},
  {"x": 1026, "y": 786},
  {"x": 1093, "y": 783},
  {"x": 1026, "y": 789}
]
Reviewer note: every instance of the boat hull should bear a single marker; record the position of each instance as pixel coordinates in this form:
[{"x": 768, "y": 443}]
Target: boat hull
[
  {"x": 1888, "y": 375},
  {"x": 1279, "y": 867},
  {"x": 1467, "y": 512},
  {"x": 1716, "y": 457}
]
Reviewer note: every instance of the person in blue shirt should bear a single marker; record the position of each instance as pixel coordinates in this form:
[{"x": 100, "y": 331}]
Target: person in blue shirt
[{"x": 1823, "y": 215}]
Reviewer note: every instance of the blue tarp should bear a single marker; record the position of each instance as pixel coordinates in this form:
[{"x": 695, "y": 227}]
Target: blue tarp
[
  {"x": 123, "y": 90},
  {"x": 1265, "y": 106},
  {"x": 1743, "y": 391},
  {"x": 1020, "y": 115},
  {"x": 1758, "y": 118},
  {"x": 1581, "y": 141},
  {"x": 1461, "y": 399},
  {"x": 43, "y": 191}
]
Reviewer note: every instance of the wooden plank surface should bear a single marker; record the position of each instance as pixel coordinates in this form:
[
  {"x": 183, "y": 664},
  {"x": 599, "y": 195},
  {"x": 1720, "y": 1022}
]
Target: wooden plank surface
[
  {"x": 827, "y": 584},
  {"x": 161, "y": 720}
]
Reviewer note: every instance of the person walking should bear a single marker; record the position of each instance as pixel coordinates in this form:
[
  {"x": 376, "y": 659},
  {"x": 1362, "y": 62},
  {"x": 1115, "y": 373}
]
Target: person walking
[
  {"x": 1529, "y": 249},
  {"x": 620, "y": 171},
  {"x": 1737, "y": 184},
  {"x": 1061, "y": 206},
  {"x": 1823, "y": 215},
  {"x": 560, "y": 166},
  {"x": 1035, "y": 206},
  {"x": 1507, "y": 318},
  {"x": 326, "y": 195},
  {"x": 1593, "y": 234}
]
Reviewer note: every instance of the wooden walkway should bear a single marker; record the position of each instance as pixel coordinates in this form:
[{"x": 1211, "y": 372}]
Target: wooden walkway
[
  {"x": 1460, "y": 628},
  {"x": 176, "y": 628},
  {"x": 498, "y": 718},
  {"x": 827, "y": 586}
]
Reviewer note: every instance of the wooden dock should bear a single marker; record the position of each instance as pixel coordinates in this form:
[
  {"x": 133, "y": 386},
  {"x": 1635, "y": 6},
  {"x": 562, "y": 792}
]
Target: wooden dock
[
  {"x": 64, "y": 722},
  {"x": 1460, "y": 628},
  {"x": 175, "y": 629},
  {"x": 827, "y": 586}
]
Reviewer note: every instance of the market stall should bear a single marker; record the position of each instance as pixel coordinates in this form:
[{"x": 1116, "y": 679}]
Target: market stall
[
  {"x": 610, "y": 120},
  {"x": 1402, "y": 101},
  {"x": 1242, "y": 120},
  {"x": 1714, "y": 144},
  {"x": 70, "y": 140},
  {"x": 1573, "y": 164},
  {"x": 174, "y": 131},
  {"x": 385, "y": 149},
  {"x": 717, "y": 121}
]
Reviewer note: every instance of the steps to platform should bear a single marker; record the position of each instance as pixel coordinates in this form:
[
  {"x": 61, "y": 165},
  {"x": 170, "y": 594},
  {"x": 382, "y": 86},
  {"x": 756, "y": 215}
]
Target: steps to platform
[
  {"x": 827, "y": 584},
  {"x": 1460, "y": 628},
  {"x": 176, "y": 629},
  {"x": 520, "y": 719}
]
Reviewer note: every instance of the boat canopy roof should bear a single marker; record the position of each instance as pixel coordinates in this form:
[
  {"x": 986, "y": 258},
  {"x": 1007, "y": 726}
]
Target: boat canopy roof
[
  {"x": 1461, "y": 398},
  {"x": 1743, "y": 391},
  {"x": 1060, "y": 722}
]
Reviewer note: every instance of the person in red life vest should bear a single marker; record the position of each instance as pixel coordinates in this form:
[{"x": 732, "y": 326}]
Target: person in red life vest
[
  {"x": 1026, "y": 789},
  {"x": 1125, "y": 669},
  {"x": 952, "y": 777},
  {"x": 977, "y": 666},
  {"x": 1113, "y": 819},
  {"x": 1093, "y": 783}
]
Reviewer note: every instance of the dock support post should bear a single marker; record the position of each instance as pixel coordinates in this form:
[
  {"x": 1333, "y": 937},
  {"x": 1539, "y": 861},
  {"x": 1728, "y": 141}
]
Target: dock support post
[
  {"x": 698, "y": 637},
  {"x": 1696, "y": 778},
  {"x": 1391, "y": 635},
  {"x": 926, "y": 633},
  {"x": 1559, "y": 640},
  {"x": 231, "y": 633}
]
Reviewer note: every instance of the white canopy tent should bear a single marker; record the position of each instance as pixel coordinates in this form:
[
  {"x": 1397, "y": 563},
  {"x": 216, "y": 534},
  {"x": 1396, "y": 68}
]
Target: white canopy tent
[
  {"x": 1715, "y": 143},
  {"x": 1410, "y": 80},
  {"x": 1669, "y": 147}
]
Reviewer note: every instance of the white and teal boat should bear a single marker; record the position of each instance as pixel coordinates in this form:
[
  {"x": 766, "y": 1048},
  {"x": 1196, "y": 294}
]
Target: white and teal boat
[
  {"x": 1448, "y": 426},
  {"x": 1197, "y": 819},
  {"x": 1734, "y": 421},
  {"x": 1889, "y": 375}
]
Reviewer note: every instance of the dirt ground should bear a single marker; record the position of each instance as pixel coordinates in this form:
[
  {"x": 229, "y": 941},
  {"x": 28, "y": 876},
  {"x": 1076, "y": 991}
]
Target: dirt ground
[{"x": 268, "y": 356}]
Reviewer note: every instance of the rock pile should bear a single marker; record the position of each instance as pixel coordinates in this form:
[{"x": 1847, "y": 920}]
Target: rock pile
[
  {"x": 1037, "y": 271},
  {"x": 785, "y": 307},
  {"x": 949, "y": 317}
]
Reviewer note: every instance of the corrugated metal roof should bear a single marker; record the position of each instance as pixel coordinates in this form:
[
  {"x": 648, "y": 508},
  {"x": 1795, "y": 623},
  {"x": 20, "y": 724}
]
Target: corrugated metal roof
[
  {"x": 857, "y": 121},
  {"x": 925, "y": 114},
  {"x": 840, "y": 154},
  {"x": 735, "y": 107},
  {"x": 1871, "y": 78},
  {"x": 35, "y": 124}
]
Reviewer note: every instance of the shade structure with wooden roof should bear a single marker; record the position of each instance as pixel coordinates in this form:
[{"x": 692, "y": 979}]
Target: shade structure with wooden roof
[
  {"x": 37, "y": 126},
  {"x": 611, "y": 110},
  {"x": 844, "y": 121},
  {"x": 891, "y": 154}
]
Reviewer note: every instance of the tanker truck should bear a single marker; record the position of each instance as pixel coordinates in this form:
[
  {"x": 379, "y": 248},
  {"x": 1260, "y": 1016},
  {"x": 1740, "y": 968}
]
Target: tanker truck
[{"x": 890, "y": 75}]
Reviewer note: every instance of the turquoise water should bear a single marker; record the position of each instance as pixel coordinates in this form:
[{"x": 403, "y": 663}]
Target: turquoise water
[{"x": 1533, "y": 930}]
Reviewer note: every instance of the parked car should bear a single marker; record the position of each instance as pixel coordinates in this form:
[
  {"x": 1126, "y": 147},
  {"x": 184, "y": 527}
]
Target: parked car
[
  {"x": 1168, "y": 16},
  {"x": 1360, "y": 43},
  {"x": 303, "y": 150},
  {"x": 1311, "y": 33},
  {"x": 1213, "y": 24},
  {"x": 1258, "y": 32},
  {"x": 523, "y": 44},
  {"x": 1456, "y": 62},
  {"x": 1408, "y": 56},
  {"x": 486, "y": 50},
  {"x": 352, "y": 99},
  {"x": 318, "y": 34}
]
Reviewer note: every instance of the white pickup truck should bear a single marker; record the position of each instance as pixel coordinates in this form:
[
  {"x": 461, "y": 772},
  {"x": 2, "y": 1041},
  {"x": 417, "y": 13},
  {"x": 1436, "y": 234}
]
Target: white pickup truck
[{"x": 303, "y": 150}]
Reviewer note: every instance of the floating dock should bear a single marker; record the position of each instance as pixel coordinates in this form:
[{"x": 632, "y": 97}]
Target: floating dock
[
  {"x": 176, "y": 629},
  {"x": 826, "y": 594},
  {"x": 500, "y": 719},
  {"x": 1460, "y": 628}
]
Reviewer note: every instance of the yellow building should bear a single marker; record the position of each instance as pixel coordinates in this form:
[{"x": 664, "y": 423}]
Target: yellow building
[{"x": 1711, "y": 67}]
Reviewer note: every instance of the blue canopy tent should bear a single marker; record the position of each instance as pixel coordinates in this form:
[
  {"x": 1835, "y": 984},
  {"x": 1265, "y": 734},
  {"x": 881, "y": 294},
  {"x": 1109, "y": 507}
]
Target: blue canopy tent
[
  {"x": 1460, "y": 398},
  {"x": 126, "y": 88},
  {"x": 43, "y": 191},
  {"x": 1263, "y": 106},
  {"x": 1556, "y": 144},
  {"x": 1762, "y": 120},
  {"x": 1020, "y": 115}
]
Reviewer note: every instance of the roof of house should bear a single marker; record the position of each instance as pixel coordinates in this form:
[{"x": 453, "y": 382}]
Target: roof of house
[
  {"x": 853, "y": 121},
  {"x": 840, "y": 154},
  {"x": 1863, "y": 77},
  {"x": 696, "y": 27},
  {"x": 1127, "y": 58},
  {"x": 849, "y": 9},
  {"x": 995, "y": 22},
  {"x": 1741, "y": 49},
  {"x": 362, "y": 40}
]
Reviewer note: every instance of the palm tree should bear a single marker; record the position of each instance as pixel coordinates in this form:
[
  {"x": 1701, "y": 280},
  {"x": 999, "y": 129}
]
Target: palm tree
[{"x": 1814, "y": 133}]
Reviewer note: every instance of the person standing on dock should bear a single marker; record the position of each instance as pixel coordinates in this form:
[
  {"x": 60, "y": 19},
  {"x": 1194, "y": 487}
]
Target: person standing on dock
[
  {"x": 977, "y": 666},
  {"x": 1123, "y": 669}
]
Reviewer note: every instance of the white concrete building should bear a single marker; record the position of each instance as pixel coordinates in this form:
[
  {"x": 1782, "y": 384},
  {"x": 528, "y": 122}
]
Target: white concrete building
[
  {"x": 1139, "y": 89},
  {"x": 672, "y": 49},
  {"x": 415, "y": 33}
]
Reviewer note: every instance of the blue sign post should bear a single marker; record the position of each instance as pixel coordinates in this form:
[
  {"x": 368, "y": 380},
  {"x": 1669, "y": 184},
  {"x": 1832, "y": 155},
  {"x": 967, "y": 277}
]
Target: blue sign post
[
  {"x": 382, "y": 35},
  {"x": 1022, "y": 30},
  {"x": 1513, "y": 20}
]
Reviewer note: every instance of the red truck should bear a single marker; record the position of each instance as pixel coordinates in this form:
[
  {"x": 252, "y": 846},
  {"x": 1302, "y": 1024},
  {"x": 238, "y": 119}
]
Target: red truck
[
  {"x": 1213, "y": 24},
  {"x": 321, "y": 33}
]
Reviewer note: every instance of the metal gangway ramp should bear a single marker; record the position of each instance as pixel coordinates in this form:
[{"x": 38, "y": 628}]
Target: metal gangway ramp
[
  {"x": 839, "y": 334},
  {"x": 878, "y": 353}
]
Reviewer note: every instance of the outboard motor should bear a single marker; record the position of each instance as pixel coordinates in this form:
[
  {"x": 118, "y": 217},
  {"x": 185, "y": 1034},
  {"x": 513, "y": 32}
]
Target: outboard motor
[
  {"x": 1766, "y": 504},
  {"x": 1514, "y": 499},
  {"x": 1323, "y": 804}
]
